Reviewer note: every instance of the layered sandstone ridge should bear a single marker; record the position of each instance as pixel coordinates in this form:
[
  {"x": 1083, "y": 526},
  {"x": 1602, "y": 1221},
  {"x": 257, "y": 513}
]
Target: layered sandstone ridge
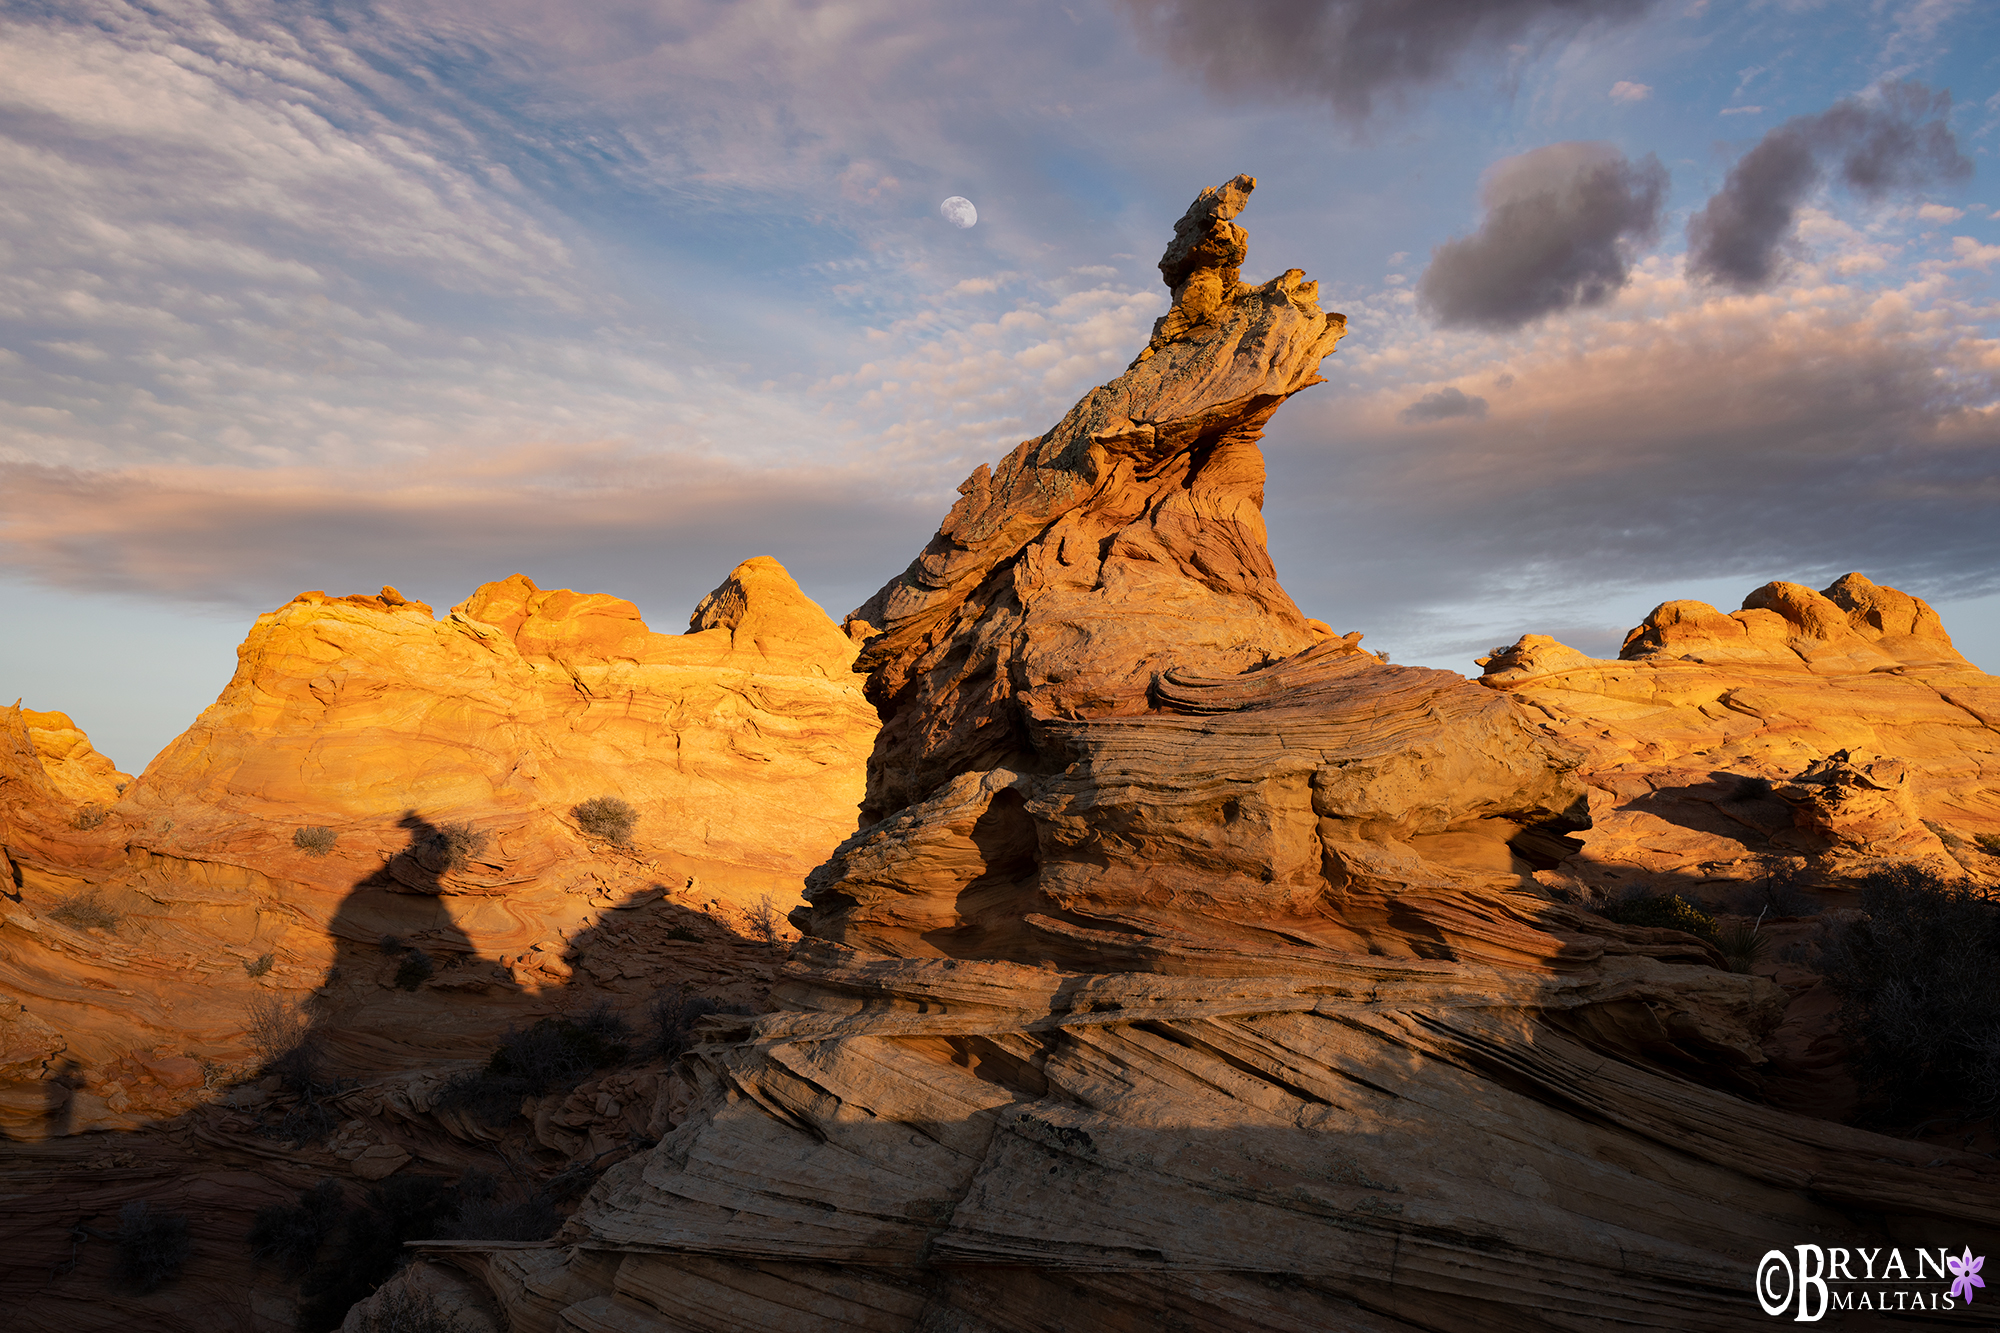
[
  {"x": 739, "y": 744},
  {"x": 1197, "y": 969},
  {"x": 1824, "y": 730}
]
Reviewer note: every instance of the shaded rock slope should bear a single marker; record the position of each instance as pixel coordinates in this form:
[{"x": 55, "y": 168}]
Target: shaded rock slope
[
  {"x": 1196, "y": 969},
  {"x": 372, "y": 837}
]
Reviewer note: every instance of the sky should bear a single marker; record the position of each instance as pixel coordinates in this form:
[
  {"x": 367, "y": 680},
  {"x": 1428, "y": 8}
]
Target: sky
[{"x": 1646, "y": 299}]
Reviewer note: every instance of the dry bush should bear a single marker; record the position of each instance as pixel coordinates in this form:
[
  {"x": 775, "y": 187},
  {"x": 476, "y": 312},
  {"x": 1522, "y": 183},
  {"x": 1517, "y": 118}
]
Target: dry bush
[
  {"x": 315, "y": 840},
  {"x": 289, "y": 1236},
  {"x": 401, "y": 1310},
  {"x": 277, "y": 1027},
  {"x": 675, "y": 1015},
  {"x": 454, "y": 844},
  {"x": 152, "y": 1247},
  {"x": 85, "y": 908},
  {"x": 606, "y": 817},
  {"x": 1918, "y": 978},
  {"x": 90, "y": 816},
  {"x": 415, "y": 970},
  {"x": 551, "y": 1055},
  {"x": 764, "y": 921},
  {"x": 262, "y": 964}
]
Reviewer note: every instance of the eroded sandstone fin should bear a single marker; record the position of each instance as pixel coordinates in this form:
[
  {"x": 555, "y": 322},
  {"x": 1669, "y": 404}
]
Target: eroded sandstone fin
[{"x": 1127, "y": 541}]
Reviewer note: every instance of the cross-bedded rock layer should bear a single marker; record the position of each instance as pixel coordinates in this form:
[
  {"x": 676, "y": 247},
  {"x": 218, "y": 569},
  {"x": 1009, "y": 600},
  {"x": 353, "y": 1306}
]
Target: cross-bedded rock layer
[{"x": 1197, "y": 968}]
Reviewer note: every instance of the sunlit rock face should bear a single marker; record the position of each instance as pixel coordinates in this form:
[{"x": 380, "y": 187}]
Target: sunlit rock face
[
  {"x": 1197, "y": 969},
  {"x": 739, "y": 746},
  {"x": 1829, "y": 730}
]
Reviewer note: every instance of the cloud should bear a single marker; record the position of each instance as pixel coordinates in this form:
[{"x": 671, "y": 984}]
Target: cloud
[
  {"x": 1679, "y": 435},
  {"x": 1741, "y": 111},
  {"x": 1352, "y": 53},
  {"x": 1897, "y": 138},
  {"x": 1624, "y": 91},
  {"x": 1442, "y": 405},
  {"x": 1940, "y": 213},
  {"x": 1559, "y": 229},
  {"x": 658, "y": 528}
]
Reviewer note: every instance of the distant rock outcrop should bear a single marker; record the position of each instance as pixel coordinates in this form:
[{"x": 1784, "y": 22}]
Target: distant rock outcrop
[
  {"x": 1197, "y": 968},
  {"x": 1837, "y": 728}
]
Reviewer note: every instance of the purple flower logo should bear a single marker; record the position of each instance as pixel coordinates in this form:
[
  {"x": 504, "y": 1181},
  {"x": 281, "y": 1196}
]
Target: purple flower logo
[{"x": 1965, "y": 1274}]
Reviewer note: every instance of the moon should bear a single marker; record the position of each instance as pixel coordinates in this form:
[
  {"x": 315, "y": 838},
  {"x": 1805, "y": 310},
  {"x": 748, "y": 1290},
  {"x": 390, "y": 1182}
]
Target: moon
[{"x": 958, "y": 211}]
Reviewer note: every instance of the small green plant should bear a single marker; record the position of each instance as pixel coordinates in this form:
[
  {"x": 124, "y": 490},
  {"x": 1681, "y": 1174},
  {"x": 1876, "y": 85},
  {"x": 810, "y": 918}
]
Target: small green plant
[
  {"x": 289, "y": 1236},
  {"x": 606, "y": 817},
  {"x": 315, "y": 840},
  {"x": 260, "y": 966},
  {"x": 84, "y": 909},
  {"x": 1988, "y": 843},
  {"x": 152, "y": 1247},
  {"x": 90, "y": 816},
  {"x": 1671, "y": 912},
  {"x": 415, "y": 970}
]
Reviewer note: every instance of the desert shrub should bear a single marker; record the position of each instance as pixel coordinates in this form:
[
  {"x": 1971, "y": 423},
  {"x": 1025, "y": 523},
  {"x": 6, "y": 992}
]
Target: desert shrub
[
  {"x": 675, "y": 1015},
  {"x": 1743, "y": 946},
  {"x": 454, "y": 844},
  {"x": 152, "y": 1247},
  {"x": 415, "y": 970},
  {"x": 1670, "y": 911},
  {"x": 90, "y": 816},
  {"x": 1918, "y": 976},
  {"x": 606, "y": 817},
  {"x": 401, "y": 1310},
  {"x": 85, "y": 908},
  {"x": 389, "y": 944},
  {"x": 1988, "y": 843},
  {"x": 259, "y": 966},
  {"x": 369, "y": 1248},
  {"x": 1751, "y": 789},
  {"x": 483, "y": 1214},
  {"x": 764, "y": 921},
  {"x": 278, "y": 1027},
  {"x": 314, "y": 840},
  {"x": 550, "y": 1055},
  {"x": 289, "y": 1236},
  {"x": 683, "y": 934},
  {"x": 1951, "y": 841}
]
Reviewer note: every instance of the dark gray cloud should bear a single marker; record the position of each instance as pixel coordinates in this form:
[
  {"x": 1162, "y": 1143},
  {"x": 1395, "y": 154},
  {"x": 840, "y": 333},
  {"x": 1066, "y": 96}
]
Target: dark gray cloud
[
  {"x": 1442, "y": 406},
  {"x": 1353, "y": 52},
  {"x": 1896, "y": 140},
  {"x": 1560, "y": 227}
]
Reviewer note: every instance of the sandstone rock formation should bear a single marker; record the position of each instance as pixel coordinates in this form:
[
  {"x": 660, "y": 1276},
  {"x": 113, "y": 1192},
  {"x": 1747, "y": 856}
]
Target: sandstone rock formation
[
  {"x": 440, "y": 761},
  {"x": 1196, "y": 968},
  {"x": 1833, "y": 728}
]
